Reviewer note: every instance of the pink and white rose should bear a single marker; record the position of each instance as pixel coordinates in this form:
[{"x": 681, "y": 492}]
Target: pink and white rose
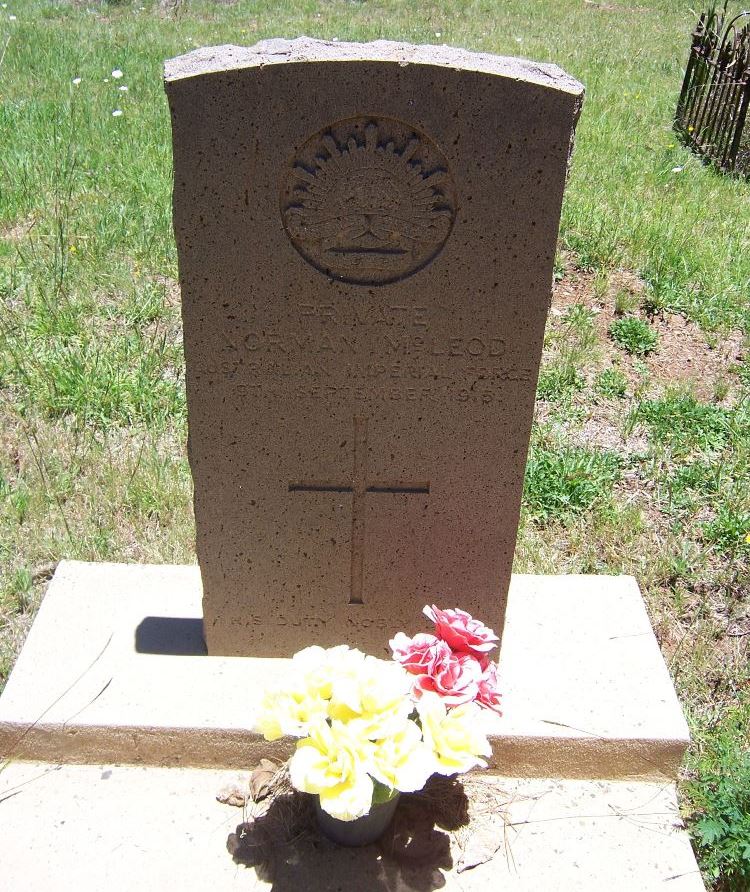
[
  {"x": 420, "y": 655},
  {"x": 456, "y": 680},
  {"x": 488, "y": 694},
  {"x": 461, "y": 631}
]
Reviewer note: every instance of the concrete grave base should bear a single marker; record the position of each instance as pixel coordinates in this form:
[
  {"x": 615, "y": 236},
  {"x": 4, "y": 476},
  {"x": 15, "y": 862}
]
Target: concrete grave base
[
  {"x": 122, "y": 828},
  {"x": 114, "y": 670},
  {"x": 118, "y": 732}
]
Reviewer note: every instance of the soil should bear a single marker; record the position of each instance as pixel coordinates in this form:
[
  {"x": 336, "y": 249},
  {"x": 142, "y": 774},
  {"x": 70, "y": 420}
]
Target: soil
[
  {"x": 684, "y": 358},
  {"x": 18, "y": 231}
]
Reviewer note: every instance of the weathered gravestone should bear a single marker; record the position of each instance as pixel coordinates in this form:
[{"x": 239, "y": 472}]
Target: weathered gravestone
[{"x": 366, "y": 236}]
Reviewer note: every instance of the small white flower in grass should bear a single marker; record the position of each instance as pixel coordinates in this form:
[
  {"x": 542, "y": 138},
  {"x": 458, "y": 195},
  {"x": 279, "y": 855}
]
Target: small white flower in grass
[
  {"x": 123, "y": 89},
  {"x": 677, "y": 169},
  {"x": 116, "y": 113},
  {"x": 76, "y": 81},
  {"x": 438, "y": 34},
  {"x": 117, "y": 74},
  {"x": 11, "y": 18}
]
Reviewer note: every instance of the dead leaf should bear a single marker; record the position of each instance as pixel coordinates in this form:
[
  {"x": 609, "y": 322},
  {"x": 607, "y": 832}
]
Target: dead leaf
[
  {"x": 485, "y": 838},
  {"x": 262, "y": 778},
  {"x": 44, "y": 571},
  {"x": 234, "y": 793}
]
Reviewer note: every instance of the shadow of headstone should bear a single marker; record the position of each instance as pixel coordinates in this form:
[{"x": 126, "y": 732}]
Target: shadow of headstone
[{"x": 170, "y": 635}]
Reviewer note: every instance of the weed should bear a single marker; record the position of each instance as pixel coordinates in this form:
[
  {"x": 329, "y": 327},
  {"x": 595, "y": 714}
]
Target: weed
[
  {"x": 729, "y": 530},
  {"x": 561, "y": 484},
  {"x": 144, "y": 306},
  {"x": 579, "y": 321},
  {"x": 17, "y": 589},
  {"x": 559, "y": 381},
  {"x": 655, "y": 302},
  {"x": 720, "y": 795},
  {"x": 699, "y": 477},
  {"x": 559, "y": 267},
  {"x": 611, "y": 383},
  {"x": 634, "y": 335}
]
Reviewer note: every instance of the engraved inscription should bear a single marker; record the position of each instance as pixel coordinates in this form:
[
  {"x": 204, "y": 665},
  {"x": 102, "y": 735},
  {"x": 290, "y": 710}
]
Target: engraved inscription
[
  {"x": 368, "y": 200},
  {"x": 359, "y": 488}
]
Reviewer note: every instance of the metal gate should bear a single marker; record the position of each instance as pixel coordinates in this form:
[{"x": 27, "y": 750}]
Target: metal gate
[{"x": 712, "y": 110}]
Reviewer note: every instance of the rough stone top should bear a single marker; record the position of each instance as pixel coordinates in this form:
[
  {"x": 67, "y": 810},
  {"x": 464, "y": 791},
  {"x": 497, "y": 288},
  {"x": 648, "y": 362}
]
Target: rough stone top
[{"x": 215, "y": 59}]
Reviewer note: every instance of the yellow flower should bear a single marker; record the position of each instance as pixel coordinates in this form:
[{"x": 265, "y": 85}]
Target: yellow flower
[
  {"x": 289, "y": 713},
  {"x": 374, "y": 691},
  {"x": 455, "y": 737},
  {"x": 311, "y": 669},
  {"x": 402, "y": 761},
  {"x": 332, "y": 763},
  {"x": 303, "y": 697}
]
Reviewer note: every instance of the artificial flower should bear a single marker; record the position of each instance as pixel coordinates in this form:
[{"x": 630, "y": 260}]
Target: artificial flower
[
  {"x": 488, "y": 694},
  {"x": 456, "y": 679},
  {"x": 461, "y": 631},
  {"x": 402, "y": 761},
  {"x": 289, "y": 713},
  {"x": 376, "y": 693},
  {"x": 331, "y": 763},
  {"x": 420, "y": 655},
  {"x": 454, "y": 735}
]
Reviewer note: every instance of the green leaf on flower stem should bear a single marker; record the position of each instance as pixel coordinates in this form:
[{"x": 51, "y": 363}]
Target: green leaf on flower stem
[{"x": 381, "y": 793}]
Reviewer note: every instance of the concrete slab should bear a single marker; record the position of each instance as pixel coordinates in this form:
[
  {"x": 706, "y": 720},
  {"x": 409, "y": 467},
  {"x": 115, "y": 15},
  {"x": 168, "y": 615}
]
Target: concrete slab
[
  {"x": 123, "y": 828},
  {"x": 114, "y": 670}
]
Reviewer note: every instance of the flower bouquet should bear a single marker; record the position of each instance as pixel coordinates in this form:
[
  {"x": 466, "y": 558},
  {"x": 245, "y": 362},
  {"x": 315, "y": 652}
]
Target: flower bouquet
[{"x": 371, "y": 729}]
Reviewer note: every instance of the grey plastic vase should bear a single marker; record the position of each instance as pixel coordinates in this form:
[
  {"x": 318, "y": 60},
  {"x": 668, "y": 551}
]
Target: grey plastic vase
[{"x": 361, "y": 831}]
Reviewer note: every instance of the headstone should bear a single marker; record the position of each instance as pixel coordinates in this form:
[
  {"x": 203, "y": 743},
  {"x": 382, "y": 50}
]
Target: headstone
[{"x": 366, "y": 237}]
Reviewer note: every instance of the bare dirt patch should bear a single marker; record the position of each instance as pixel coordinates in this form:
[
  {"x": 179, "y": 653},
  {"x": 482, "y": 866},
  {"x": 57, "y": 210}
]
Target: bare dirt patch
[
  {"x": 684, "y": 357},
  {"x": 16, "y": 233},
  {"x": 171, "y": 290},
  {"x": 611, "y": 7},
  {"x": 602, "y": 428}
]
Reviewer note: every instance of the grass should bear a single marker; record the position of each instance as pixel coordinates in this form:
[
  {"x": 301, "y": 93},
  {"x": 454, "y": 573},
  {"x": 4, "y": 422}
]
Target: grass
[
  {"x": 684, "y": 423},
  {"x": 630, "y": 470},
  {"x": 566, "y": 482}
]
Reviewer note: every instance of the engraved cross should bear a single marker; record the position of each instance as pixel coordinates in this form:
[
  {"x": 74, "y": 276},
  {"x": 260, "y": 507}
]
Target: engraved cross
[{"x": 359, "y": 488}]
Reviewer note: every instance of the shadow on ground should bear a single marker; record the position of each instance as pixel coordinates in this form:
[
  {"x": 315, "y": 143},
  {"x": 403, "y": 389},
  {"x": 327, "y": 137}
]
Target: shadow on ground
[{"x": 286, "y": 850}]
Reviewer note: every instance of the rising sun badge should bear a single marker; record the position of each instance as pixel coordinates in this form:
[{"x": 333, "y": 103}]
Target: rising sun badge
[{"x": 368, "y": 200}]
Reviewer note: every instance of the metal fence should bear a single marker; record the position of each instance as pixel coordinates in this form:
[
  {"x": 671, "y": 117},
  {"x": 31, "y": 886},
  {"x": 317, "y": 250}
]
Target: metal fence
[{"x": 712, "y": 112}]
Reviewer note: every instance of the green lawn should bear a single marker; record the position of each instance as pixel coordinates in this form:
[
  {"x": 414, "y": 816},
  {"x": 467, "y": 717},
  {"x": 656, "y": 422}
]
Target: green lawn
[{"x": 641, "y": 447}]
